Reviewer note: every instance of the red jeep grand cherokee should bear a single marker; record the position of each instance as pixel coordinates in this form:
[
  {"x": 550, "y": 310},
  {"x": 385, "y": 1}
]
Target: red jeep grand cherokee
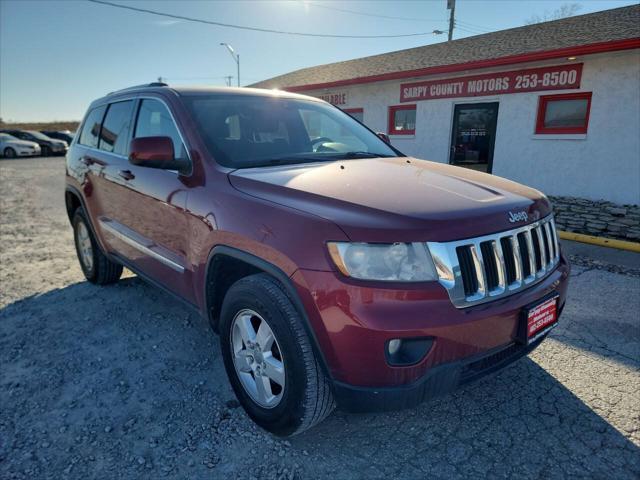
[{"x": 335, "y": 268}]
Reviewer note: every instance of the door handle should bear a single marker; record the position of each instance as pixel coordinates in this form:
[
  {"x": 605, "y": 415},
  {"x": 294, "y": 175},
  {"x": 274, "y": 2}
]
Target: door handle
[
  {"x": 86, "y": 161},
  {"x": 126, "y": 174}
]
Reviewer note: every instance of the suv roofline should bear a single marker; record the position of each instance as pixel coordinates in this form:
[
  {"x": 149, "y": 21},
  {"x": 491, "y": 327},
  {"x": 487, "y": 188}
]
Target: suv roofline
[
  {"x": 203, "y": 90},
  {"x": 138, "y": 87}
]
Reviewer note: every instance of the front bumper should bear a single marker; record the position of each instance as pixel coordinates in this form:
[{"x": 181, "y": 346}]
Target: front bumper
[
  {"x": 352, "y": 321},
  {"x": 27, "y": 152},
  {"x": 438, "y": 381}
]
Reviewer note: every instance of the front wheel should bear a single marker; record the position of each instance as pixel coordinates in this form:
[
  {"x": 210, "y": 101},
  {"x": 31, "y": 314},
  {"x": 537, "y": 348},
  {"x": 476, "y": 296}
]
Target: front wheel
[
  {"x": 9, "y": 152},
  {"x": 269, "y": 358}
]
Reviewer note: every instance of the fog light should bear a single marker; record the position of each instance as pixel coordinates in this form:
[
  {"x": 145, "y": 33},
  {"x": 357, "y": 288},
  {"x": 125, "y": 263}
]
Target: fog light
[
  {"x": 394, "y": 345},
  {"x": 407, "y": 351}
]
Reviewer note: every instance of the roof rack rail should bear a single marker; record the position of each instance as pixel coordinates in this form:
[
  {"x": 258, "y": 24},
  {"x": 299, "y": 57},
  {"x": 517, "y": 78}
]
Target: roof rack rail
[{"x": 144, "y": 85}]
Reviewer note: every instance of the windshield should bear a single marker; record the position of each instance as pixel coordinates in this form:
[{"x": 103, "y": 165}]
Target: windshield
[
  {"x": 38, "y": 135},
  {"x": 243, "y": 131},
  {"x": 6, "y": 136}
]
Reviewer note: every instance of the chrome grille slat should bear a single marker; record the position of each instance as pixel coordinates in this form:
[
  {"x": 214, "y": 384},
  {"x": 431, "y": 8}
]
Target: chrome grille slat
[
  {"x": 499, "y": 259},
  {"x": 532, "y": 257},
  {"x": 476, "y": 255},
  {"x": 547, "y": 232},
  {"x": 515, "y": 246},
  {"x": 480, "y": 276},
  {"x": 543, "y": 254},
  {"x": 556, "y": 245}
]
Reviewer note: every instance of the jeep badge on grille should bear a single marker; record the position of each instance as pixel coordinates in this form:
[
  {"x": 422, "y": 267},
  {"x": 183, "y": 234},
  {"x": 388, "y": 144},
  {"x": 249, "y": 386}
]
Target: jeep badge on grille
[{"x": 518, "y": 216}]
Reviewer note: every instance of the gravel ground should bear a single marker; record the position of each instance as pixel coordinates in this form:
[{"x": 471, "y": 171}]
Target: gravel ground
[{"x": 124, "y": 382}]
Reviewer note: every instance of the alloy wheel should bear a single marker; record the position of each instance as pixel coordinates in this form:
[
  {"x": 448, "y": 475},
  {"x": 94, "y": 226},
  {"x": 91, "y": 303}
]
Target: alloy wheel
[
  {"x": 84, "y": 246},
  {"x": 257, "y": 358}
]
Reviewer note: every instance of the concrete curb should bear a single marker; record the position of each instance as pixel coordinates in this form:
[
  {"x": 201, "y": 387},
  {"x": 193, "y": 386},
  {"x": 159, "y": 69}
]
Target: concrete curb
[{"x": 601, "y": 241}]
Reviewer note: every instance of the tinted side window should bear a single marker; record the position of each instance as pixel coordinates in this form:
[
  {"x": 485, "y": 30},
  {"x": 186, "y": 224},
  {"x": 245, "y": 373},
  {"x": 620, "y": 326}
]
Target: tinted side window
[
  {"x": 154, "y": 120},
  {"x": 115, "y": 128},
  {"x": 91, "y": 127}
]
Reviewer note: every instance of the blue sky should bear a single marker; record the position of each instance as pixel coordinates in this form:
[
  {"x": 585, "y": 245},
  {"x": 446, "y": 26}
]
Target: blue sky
[{"x": 57, "y": 56}]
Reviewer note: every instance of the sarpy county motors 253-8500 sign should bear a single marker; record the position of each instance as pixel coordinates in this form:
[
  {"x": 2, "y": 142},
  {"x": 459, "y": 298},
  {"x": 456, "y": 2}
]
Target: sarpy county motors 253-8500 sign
[{"x": 560, "y": 77}]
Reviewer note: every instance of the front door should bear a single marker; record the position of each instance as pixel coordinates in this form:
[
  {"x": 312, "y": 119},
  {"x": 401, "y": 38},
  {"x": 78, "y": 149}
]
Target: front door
[{"x": 474, "y": 136}]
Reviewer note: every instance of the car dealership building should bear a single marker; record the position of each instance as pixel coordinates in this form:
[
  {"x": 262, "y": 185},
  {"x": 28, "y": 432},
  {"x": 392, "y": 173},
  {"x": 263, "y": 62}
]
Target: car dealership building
[{"x": 554, "y": 105}]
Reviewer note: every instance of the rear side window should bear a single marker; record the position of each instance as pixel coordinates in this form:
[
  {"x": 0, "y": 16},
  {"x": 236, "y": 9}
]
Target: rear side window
[
  {"x": 154, "y": 120},
  {"x": 115, "y": 128},
  {"x": 91, "y": 127}
]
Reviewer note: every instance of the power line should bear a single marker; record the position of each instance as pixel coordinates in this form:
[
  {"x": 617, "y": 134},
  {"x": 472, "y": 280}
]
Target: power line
[
  {"x": 468, "y": 26},
  {"x": 474, "y": 26},
  {"x": 244, "y": 27},
  {"x": 365, "y": 14},
  {"x": 462, "y": 29},
  {"x": 474, "y": 31}
]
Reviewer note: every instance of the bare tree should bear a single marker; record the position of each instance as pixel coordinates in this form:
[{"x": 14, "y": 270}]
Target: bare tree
[{"x": 565, "y": 10}]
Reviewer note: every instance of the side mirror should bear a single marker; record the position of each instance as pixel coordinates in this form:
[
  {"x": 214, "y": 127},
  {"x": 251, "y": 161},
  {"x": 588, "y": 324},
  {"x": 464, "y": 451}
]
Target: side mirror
[
  {"x": 384, "y": 137},
  {"x": 155, "y": 152}
]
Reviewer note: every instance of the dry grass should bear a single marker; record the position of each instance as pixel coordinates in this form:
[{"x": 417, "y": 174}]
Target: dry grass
[{"x": 57, "y": 125}]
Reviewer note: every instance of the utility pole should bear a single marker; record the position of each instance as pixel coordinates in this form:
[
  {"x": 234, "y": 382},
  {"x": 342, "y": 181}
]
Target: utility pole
[
  {"x": 228, "y": 79},
  {"x": 451, "y": 5},
  {"x": 235, "y": 56}
]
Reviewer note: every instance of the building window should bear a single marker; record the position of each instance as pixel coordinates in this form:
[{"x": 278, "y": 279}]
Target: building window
[
  {"x": 402, "y": 120},
  {"x": 563, "y": 113},
  {"x": 357, "y": 113}
]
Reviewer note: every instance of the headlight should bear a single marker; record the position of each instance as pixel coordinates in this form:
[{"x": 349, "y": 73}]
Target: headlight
[{"x": 391, "y": 262}]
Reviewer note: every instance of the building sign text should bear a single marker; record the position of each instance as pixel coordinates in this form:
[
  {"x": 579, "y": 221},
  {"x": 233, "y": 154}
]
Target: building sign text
[
  {"x": 530, "y": 80},
  {"x": 334, "y": 98}
]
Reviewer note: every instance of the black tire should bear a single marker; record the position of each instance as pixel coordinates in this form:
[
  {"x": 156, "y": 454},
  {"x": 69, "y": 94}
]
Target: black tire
[
  {"x": 101, "y": 271},
  {"x": 45, "y": 151},
  {"x": 9, "y": 152},
  {"x": 306, "y": 398}
]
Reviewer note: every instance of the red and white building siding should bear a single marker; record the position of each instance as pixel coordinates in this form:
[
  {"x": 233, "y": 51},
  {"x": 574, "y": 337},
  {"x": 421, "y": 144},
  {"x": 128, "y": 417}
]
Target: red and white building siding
[{"x": 566, "y": 122}]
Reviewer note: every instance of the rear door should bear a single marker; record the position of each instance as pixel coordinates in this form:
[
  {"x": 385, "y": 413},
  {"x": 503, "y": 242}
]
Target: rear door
[
  {"x": 109, "y": 165},
  {"x": 85, "y": 164}
]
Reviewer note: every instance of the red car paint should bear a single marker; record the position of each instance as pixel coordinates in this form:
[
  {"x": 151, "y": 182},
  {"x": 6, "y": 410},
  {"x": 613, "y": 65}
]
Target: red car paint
[{"x": 285, "y": 215}]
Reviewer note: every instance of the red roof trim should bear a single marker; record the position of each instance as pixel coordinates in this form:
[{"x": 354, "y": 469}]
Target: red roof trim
[{"x": 601, "y": 47}]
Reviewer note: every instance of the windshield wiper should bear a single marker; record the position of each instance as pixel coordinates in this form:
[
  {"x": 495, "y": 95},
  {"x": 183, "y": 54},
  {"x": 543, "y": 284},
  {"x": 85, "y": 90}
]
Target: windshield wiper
[
  {"x": 365, "y": 155},
  {"x": 331, "y": 157},
  {"x": 289, "y": 160}
]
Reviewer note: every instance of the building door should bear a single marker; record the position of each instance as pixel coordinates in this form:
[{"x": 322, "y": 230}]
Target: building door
[{"x": 474, "y": 135}]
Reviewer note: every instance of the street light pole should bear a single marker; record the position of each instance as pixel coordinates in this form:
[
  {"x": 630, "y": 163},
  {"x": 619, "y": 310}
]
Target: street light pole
[{"x": 235, "y": 57}]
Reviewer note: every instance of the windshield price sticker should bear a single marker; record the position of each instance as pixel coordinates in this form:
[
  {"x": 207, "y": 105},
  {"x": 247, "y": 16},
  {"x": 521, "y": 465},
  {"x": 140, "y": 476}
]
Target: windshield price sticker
[{"x": 560, "y": 77}]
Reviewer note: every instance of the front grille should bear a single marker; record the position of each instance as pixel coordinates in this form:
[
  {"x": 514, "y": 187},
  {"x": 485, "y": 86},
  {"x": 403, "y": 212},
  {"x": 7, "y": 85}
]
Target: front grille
[{"x": 480, "y": 269}]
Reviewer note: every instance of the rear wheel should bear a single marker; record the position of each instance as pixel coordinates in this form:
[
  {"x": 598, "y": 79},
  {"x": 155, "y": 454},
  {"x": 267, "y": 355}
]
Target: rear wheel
[
  {"x": 97, "y": 268},
  {"x": 9, "y": 152},
  {"x": 46, "y": 151},
  {"x": 269, "y": 358}
]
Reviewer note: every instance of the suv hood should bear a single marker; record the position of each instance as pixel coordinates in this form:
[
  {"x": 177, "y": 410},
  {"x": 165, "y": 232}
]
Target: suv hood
[{"x": 396, "y": 199}]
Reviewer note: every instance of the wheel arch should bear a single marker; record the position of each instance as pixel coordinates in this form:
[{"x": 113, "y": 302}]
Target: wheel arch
[
  {"x": 72, "y": 200},
  {"x": 221, "y": 265}
]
